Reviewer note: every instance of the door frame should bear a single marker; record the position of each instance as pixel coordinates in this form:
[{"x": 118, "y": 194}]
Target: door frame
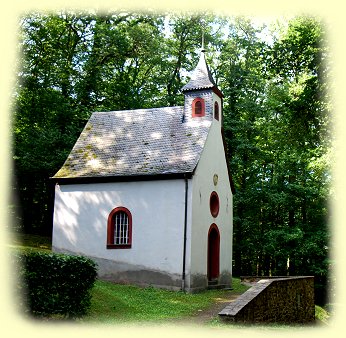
[{"x": 213, "y": 258}]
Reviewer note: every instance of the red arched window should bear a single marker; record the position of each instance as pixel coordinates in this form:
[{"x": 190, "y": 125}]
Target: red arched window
[
  {"x": 198, "y": 107},
  {"x": 214, "y": 204},
  {"x": 119, "y": 229},
  {"x": 216, "y": 111}
]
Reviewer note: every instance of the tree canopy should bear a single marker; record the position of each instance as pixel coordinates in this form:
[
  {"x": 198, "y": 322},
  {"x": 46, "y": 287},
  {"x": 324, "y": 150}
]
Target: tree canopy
[{"x": 276, "y": 115}]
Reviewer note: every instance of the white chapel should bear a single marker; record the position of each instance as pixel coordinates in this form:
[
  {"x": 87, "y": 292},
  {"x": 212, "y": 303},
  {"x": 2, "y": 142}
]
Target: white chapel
[{"x": 147, "y": 193}]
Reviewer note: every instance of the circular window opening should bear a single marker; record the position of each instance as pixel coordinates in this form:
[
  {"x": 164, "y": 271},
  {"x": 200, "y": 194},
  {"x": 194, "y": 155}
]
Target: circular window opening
[{"x": 214, "y": 204}]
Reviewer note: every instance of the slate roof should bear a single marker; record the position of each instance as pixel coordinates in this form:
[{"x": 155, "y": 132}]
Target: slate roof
[
  {"x": 137, "y": 142},
  {"x": 201, "y": 77}
]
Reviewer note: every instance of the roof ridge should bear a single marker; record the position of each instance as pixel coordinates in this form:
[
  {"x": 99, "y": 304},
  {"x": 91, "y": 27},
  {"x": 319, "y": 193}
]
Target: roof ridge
[{"x": 138, "y": 109}]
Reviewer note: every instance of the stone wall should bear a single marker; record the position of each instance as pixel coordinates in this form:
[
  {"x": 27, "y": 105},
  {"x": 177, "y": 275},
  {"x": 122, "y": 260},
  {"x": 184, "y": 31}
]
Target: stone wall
[{"x": 282, "y": 300}]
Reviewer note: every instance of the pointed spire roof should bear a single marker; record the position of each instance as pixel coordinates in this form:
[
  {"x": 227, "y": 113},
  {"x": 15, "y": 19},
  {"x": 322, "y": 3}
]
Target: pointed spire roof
[{"x": 201, "y": 77}]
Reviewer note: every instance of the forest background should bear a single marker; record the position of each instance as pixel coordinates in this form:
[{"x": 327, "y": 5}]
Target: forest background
[{"x": 277, "y": 117}]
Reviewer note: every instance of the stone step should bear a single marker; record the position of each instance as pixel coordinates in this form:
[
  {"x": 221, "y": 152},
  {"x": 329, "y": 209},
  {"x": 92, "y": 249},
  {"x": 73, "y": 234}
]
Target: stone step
[{"x": 214, "y": 284}]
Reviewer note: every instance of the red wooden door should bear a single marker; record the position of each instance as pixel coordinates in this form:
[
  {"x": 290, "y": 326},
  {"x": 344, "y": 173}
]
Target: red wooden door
[{"x": 213, "y": 252}]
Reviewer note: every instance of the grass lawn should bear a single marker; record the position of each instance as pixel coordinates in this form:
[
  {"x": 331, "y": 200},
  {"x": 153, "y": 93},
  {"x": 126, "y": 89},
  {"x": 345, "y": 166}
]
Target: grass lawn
[
  {"x": 114, "y": 303},
  {"x": 30, "y": 242}
]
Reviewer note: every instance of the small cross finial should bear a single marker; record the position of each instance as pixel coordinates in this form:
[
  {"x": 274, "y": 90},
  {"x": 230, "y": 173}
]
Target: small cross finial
[{"x": 203, "y": 50}]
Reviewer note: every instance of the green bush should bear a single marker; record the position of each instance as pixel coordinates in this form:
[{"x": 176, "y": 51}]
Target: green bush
[
  {"x": 56, "y": 284},
  {"x": 321, "y": 314}
]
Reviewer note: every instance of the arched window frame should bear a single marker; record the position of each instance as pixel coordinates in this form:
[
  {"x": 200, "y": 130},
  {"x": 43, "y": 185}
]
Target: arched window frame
[
  {"x": 216, "y": 111},
  {"x": 194, "y": 102},
  {"x": 111, "y": 229}
]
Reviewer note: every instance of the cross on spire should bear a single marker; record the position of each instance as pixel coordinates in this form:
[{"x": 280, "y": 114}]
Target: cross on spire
[{"x": 202, "y": 49}]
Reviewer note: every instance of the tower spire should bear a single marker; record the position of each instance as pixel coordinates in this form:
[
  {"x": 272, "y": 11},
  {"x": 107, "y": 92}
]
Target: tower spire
[
  {"x": 202, "y": 49},
  {"x": 201, "y": 77}
]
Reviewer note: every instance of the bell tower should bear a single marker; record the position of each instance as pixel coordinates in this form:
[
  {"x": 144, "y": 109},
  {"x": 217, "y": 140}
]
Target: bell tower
[{"x": 203, "y": 99}]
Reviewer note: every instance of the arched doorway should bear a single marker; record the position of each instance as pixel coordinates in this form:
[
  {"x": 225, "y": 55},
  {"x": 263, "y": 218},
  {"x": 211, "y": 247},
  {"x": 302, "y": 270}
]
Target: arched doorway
[{"x": 213, "y": 252}]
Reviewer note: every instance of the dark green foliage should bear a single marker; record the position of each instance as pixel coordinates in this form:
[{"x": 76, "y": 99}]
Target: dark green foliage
[
  {"x": 276, "y": 117},
  {"x": 56, "y": 284},
  {"x": 276, "y": 123}
]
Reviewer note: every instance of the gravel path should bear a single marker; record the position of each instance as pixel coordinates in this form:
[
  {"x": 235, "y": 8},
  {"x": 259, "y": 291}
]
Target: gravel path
[{"x": 206, "y": 315}]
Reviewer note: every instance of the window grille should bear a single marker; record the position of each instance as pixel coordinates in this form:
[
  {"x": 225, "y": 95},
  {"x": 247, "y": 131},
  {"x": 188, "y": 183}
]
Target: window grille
[{"x": 121, "y": 228}]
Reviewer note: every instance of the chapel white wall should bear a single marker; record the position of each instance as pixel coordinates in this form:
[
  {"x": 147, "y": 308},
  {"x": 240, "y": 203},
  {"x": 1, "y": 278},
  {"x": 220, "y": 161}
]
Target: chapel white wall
[
  {"x": 212, "y": 162},
  {"x": 157, "y": 207}
]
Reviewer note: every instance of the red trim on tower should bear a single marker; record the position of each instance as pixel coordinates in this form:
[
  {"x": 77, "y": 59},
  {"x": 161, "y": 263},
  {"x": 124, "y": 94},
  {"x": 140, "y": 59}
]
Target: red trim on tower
[{"x": 198, "y": 107}]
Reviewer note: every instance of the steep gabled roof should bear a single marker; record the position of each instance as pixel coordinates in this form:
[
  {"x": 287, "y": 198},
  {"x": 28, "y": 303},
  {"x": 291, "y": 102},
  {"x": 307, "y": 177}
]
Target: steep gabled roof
[{"x": 136, "y": 142}]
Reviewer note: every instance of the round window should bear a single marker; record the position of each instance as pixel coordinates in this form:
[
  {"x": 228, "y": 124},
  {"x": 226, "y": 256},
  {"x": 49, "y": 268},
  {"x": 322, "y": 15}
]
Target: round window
[{"x": 214, "y": 204}]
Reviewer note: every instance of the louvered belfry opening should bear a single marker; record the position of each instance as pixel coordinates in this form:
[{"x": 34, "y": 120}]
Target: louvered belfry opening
[
  {"x": 216, "y": 111},
  {"x": 198, "y": 108}
]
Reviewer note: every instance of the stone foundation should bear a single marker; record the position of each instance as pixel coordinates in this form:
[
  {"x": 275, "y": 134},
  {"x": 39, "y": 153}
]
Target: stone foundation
[{"x": 124, "y": 273}]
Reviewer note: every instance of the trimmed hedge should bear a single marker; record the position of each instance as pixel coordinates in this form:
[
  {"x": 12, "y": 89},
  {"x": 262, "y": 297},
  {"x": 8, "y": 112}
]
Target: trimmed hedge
[{"x": 56, "y": 283}]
